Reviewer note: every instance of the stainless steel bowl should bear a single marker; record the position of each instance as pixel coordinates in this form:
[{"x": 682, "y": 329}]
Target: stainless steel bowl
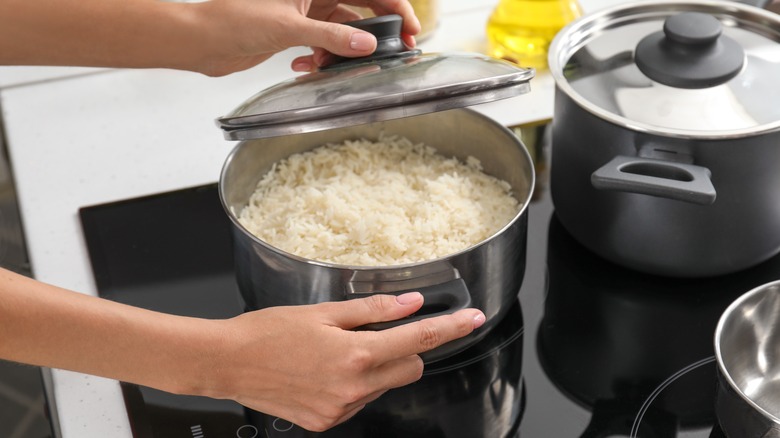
[{"x": 747, "y": 349}]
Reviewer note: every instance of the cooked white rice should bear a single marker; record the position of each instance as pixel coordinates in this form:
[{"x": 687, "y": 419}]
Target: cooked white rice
[{"x": 378, "y": 203}]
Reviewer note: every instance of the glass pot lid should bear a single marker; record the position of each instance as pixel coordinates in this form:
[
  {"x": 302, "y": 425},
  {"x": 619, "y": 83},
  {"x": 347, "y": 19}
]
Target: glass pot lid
[
  {"x": 392, "y": 83},
  {"x": 697, "y": 68}
]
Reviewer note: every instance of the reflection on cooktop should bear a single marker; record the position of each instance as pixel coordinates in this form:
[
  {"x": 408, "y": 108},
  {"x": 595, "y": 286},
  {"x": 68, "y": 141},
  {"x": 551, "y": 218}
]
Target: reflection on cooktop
[
  {"x": 634, "y": 350},
  {"x": 612, "y": 352},
  {"x": 144, "y": 254}
]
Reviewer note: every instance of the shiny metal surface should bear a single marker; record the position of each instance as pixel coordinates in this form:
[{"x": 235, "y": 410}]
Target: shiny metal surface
[
  {"x": 492, "y": 270},
  {"x": 747, "y": 349},
  {"x": 592, "y": 61},
  {"x": 375, "y": 91}
]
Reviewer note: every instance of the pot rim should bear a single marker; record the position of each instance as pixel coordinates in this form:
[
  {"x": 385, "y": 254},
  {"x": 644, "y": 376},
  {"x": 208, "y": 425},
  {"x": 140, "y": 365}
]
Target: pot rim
[
  {"x": 719, "y": 330},
  {"x": 577, "y": 33},
  {"x": 522, "y": 210}
]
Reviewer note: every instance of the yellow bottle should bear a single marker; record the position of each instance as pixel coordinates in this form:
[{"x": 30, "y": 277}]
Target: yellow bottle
[
  {"x": 427, "y": 11},
  {"x": 521, "y": 30}
]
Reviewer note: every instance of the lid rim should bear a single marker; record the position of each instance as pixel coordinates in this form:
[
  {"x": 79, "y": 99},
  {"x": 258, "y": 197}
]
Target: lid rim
[
  {"x": 370, "y": 92},
  {"x": 671, "y": 132},
  {"x": 518, "y": 81},
  {"x": 390, "y": 113}
]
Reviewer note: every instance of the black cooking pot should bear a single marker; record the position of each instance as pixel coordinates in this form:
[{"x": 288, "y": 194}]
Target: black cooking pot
[
  {"x": 666, "y": 135},
  {"x": 477, "y": 393}
]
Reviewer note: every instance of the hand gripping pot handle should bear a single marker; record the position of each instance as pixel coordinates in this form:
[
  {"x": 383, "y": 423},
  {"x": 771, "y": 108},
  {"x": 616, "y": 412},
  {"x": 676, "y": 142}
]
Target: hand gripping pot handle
[
  {"x": 440, "y": 299},
  {"x": 649, "y": 176}
]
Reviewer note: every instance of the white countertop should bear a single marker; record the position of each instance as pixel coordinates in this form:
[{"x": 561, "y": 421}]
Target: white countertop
[{"x": 79, "y": 137}]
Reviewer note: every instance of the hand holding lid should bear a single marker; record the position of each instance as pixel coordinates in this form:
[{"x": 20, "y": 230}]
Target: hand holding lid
[
  {"x": 387, "y": 30},
  {"x": 394, "y": 82}
]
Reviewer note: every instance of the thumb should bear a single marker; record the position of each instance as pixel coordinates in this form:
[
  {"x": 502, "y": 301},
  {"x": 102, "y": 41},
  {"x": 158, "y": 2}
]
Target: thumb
[
  {"x": 339, "y": 39},
  {"x": 375, "y": 308}
]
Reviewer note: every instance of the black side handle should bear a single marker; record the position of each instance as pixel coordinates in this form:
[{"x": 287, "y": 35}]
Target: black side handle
[{"x": 440, "y": 299}]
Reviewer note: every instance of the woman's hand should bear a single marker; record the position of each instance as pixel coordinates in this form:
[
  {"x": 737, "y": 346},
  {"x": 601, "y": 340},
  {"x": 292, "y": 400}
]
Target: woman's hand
[
  {"x": 252, "y": 31},
  {"x": 305, "y": 365},
  {"x": 215, "y": 37},
  {"x": 301, "y": 363},
  {"x": 359, "y": 43}
]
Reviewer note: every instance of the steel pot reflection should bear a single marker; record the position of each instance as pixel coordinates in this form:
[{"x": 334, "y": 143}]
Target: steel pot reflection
[
  {"x": 477, "y": 393},
  {"x": 610, "y": 336}
]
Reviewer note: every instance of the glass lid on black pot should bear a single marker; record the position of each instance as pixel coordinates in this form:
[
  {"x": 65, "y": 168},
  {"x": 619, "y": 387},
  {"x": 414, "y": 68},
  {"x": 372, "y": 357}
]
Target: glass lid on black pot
[
  {"x": 697, "y": 68},
  {"x": 394, "y": 82}
]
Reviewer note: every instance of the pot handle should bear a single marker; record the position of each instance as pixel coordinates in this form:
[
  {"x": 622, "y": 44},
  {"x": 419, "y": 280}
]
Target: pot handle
[
  {"x": 440, "y": 299},
  {"x": 648, "y": 176}
]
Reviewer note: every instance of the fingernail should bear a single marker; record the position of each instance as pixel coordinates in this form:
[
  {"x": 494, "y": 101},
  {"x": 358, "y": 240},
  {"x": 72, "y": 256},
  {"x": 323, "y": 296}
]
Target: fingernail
[
  {"x": 479, "y": 319},
  {"x": 418, "y": 24},
  {"x": 301, "y": 66},
  {"x": 361, "y": 41},
  {"x": 409, "y": 298}
]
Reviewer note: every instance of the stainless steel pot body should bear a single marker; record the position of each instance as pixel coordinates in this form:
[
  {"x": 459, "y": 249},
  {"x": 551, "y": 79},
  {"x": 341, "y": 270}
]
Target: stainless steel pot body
[
  {"x": 486, "y": 276},
  {"x": 667, "y": 232},
  {"x": 676, "y": 196},
  {"x": 746, "y": 349}
]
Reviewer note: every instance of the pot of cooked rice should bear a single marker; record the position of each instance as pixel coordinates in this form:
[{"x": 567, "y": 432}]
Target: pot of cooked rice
[
  {"x": 368, "y": 176},
  {"x": 435, "y": 203}
]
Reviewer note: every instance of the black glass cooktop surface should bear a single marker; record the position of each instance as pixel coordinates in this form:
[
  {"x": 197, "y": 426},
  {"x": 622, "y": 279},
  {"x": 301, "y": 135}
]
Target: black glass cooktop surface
[{"x": 588, "y": 350}]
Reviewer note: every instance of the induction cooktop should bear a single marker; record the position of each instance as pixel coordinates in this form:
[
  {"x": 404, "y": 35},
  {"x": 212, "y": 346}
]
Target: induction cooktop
[{"x": 589, "y": 349}]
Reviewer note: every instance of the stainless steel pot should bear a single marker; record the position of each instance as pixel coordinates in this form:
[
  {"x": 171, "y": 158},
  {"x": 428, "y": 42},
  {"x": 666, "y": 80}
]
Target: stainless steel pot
[
  {"x": 747, "y": 349},
  {"x": 664, "y": 152},
  {"x": 487, "y": 275}
]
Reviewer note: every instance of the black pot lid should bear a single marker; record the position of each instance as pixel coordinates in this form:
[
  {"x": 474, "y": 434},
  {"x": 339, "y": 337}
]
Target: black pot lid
[
  {"x": 697, "y": 68},
  {"x": 392, "y": 83}
]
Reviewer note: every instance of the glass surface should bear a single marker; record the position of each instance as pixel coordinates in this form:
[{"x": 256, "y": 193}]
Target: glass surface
[
  {"x": 601, "y": 350},
  {"x": 598, "y": 65},
  {"x": 390, "y": 88}
]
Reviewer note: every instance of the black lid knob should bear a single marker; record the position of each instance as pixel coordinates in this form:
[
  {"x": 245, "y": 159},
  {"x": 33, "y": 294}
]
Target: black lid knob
[
  {"x": 692, "y": 28},
  {"x": 691, "y": 52},
  {"x": 387, "y": 30}
]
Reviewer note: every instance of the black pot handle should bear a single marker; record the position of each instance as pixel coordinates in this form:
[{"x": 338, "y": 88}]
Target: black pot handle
[
  {"x": 649, "y": 176},
  {"x": 389, "y": 45},
  {"x": 440, "y": 299}
]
